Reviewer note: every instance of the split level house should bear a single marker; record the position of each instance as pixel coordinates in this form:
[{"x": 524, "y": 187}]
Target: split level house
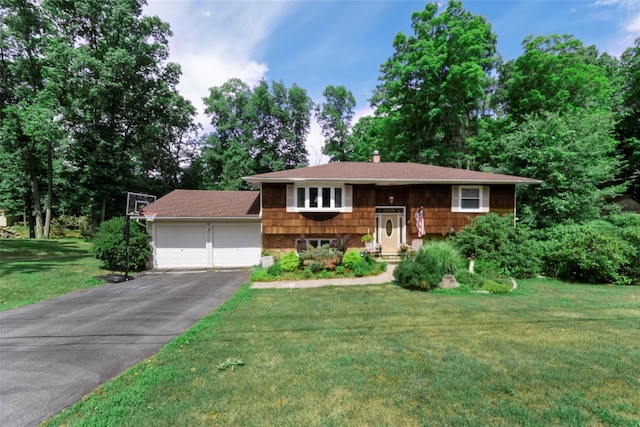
[{"x": 295, "y": 208}]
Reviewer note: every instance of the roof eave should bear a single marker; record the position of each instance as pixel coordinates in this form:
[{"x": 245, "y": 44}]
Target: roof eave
[
  {"x": 391, "y": 181},
  {"x": 203, "y": 218}
]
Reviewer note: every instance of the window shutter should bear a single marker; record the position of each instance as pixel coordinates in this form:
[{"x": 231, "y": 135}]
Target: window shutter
[
  {"x": 485, "y": 199},
  {"x": 291, "y": 199},
  {"x": 455, "y": 198},
  {"x": 348, "y": 198}
]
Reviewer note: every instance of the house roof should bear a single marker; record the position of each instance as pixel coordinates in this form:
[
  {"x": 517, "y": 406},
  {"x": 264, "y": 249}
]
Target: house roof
[
  {"x": 386, "y": 173},
  {"x": 209, "y": 204}
]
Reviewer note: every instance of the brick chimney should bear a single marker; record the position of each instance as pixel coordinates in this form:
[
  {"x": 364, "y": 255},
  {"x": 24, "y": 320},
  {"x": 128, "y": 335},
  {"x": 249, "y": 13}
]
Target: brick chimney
[{"x": 376, "y": 157}]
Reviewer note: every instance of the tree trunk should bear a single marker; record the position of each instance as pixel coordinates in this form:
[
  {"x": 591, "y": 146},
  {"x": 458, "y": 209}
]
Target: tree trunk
[
  {"x": 37, "y": 207},
  {"x": 47, "y": 223}
]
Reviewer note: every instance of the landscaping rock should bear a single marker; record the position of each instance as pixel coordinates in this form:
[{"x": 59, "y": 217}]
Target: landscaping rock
[{"x": 449, "y": 282}]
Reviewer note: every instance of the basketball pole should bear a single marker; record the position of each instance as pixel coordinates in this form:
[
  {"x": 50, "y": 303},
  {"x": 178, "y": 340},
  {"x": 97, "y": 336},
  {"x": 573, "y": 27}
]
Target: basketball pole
[{"x": 127, "y": 225}]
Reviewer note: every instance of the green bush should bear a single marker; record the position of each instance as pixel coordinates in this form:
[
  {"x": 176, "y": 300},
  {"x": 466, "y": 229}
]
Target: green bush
[
  {"x": 109, "y": 245},
  {"x": 275, "y": 270},
  {"x": 494, "y": 287},
  {"x": 361, "y": 268},
  {"x": 430, "y": 264},
  {"x": 470, "y": 280},
  {"x": 71, "y": 226},
  {"x": 327, "y": 256},
  {"x": 350, "y": 259},
  {"x": 594, "y": 252},
  {"x": 493, "y": 238},
  {"x": 290, "y": 261},
  {"x": 445, "y": 255},
  {"x": 261, "y": 275}
]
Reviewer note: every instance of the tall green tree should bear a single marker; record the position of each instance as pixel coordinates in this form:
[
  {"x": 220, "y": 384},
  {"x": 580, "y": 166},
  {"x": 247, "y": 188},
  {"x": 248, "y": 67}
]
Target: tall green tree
[
  {"x": 573, "y": 153},
  {"x": 334, "y": 116},
  {"x": 256, "y": 130},
  {"x": 629, "y": 125},
  {"x": 27, "y": 110},
  {"x": 434, "y": 87},
  {"x": 555, "y": 73},
  {"x": 120, "y": 106}
]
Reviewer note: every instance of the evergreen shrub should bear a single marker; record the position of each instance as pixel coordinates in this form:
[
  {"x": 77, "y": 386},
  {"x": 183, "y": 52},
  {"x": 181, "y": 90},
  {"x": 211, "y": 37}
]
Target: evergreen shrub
[{"x": 109, "y": 245}]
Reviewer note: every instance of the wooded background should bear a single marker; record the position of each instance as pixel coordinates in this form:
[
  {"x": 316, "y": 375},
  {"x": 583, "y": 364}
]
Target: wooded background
[{"x": 89, "y": 110}]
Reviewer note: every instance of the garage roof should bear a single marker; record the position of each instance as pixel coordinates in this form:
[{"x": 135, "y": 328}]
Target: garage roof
[{"x": 209, "y": 204}]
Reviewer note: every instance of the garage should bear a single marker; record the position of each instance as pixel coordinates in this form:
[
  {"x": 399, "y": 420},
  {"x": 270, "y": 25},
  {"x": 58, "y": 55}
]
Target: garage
[
  {"x": 236, "y": 245},
  {"x": 206, "y": 229},
  {"x": 181, "y": 245}
]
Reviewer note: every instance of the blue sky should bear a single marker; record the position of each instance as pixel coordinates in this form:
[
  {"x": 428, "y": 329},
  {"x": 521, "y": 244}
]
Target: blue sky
[{"x": 315, "y": 43}]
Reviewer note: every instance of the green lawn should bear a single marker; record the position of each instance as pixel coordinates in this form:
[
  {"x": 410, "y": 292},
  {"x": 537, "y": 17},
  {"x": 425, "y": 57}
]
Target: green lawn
[
  {"x": 35, "y": 270},
  {"x": 547, "y": 354}
]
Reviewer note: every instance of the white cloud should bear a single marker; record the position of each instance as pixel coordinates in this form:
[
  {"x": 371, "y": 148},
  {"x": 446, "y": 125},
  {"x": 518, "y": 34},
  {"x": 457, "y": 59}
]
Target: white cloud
[
  {"x": 628, "y": 21},
  {"x": 214, "y": 41}
]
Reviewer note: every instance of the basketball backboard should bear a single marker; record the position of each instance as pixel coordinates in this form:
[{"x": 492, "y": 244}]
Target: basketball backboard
[{"x": 138, "y": 203}]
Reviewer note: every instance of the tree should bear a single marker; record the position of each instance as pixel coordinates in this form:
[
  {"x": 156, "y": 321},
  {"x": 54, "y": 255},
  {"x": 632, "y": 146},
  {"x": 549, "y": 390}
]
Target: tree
[
  {"x": 256, "y": 130},
  {"x": 27, "y": 108},
  {"x": 629, "y": 126},
  {"x": 120, "y": 107},
  {"x": 334, "y": 117},
  {"x": 573, "y": 153},
  {"x": 555, "y": 73},
  {"x": 433, "y": 88}
]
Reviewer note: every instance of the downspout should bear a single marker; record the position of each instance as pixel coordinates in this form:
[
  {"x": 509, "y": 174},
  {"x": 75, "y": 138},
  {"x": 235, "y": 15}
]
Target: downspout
[{"x": 515, "y": 205}]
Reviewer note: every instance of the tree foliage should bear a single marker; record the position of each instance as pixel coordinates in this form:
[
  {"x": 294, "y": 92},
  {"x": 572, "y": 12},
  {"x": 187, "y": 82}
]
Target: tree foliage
[
  {"x": 256, "y": 130},
  {"x": 573, "y": 154},
  {"x": 89, "y": 107},
  {"x": 433, "y": 87},
  {"x": 334, "y": 116}
]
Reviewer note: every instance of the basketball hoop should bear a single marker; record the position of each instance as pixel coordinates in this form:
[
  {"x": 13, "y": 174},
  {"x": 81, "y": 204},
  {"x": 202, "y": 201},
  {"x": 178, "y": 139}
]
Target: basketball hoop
[{"x": 149, "y": 215}]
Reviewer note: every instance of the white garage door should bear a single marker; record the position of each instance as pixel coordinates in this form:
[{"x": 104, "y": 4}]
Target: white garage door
[
  {"x": 236, "y": 245},
  {"x": 183, "y": 246}
]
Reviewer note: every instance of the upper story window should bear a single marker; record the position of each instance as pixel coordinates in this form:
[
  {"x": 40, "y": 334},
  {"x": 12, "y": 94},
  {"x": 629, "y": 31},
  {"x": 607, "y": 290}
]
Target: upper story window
[
  {"x": 470, "y": 198},
  {"x": 319, "y": 198}
]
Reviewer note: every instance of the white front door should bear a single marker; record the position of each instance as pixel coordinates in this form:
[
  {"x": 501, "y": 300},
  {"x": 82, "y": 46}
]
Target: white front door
[{"x": 390, "y": 229}]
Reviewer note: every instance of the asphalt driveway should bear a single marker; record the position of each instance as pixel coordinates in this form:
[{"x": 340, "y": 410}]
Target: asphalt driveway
[{"x": 54, "y": 352}]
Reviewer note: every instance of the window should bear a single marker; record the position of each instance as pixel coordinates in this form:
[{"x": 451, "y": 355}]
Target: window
[
  {"x": 470, "y": 198},
  {"x": 318, "y": 199},
  {"x": 305, "y": 244}
]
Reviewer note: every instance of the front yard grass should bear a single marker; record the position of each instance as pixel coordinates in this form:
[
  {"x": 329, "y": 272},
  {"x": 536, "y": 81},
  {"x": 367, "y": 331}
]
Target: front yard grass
[
  {"x": 548, "y": 353},
  {"x": 35, "y": 270}
]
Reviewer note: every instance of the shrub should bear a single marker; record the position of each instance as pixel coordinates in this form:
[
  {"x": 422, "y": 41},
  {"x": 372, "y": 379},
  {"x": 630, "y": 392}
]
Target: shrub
[
  {"x": 362, "y": 268},
  {"x": 327, "y": 256},
  {"x": 315, "y": 267},
  {"x": 109, "y": 245},
  {"x": 426, "y": 270},
  {"x": 351, "y": 258},
  {"x": 71, "y": 226},
  {"x": 445, "y": 255},
  {"x": 594, "y": 252},
  {"x": 471, "y": 280},
  {"x": 261, "y": 275},
  {"x": 494, "y": 287},
  {"x": 275, "y": 270},
  {"x": 493, "y": 238},
  {"x": 290, "y": 261}
]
